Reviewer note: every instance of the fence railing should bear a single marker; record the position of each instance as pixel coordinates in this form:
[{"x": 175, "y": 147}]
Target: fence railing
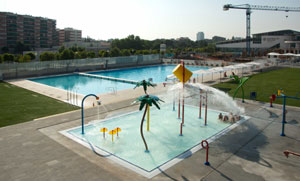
[{"x": 30, "y": 69}]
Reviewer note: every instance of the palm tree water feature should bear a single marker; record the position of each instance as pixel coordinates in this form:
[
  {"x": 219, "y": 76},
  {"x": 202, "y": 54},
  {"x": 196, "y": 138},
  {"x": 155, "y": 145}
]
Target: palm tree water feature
[
  {"x": 147, "y": 100},
  {"x": 241, "y": 81}
]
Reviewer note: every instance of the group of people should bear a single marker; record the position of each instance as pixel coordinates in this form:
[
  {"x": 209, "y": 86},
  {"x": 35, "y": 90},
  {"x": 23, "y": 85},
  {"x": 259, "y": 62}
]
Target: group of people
[{"x": 229, "y": 118}]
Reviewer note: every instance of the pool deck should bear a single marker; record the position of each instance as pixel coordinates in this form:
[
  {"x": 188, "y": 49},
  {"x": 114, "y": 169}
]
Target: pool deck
[{"x": 252, "y": 151}]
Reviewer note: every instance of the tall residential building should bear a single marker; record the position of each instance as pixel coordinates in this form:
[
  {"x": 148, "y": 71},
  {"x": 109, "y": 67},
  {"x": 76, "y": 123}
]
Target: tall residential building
[
  {"x": 34, "y": 32},
  {"x": 69, "y": 35},
  {"x": 200, "y": 36}
]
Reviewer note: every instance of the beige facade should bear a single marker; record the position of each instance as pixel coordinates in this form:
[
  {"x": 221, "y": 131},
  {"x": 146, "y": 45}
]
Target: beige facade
[{"x": 69, "y": 35}]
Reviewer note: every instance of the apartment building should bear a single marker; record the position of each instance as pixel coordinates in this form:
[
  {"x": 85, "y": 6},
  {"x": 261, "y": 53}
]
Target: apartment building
[
  {"x": 69, "y": 35},
  {"x": 34, "y": 32}
]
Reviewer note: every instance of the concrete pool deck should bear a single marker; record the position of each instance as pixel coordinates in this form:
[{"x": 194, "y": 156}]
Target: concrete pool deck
[{"x": 252, "y": 151}]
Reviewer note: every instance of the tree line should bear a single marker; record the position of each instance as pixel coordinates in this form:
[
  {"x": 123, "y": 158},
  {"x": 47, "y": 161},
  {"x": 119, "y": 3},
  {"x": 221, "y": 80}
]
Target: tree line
[{"x": 131, "y": 45}]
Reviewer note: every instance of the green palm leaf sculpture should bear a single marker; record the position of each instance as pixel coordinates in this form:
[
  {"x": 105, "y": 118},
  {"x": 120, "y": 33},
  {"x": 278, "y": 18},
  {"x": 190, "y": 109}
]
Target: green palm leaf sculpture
[
  {"x": 145, "y": 84},
  {"x": 145, "y": 101},
  {"x": 242, "y": 81},
  {"x": 235, "y": 78}
]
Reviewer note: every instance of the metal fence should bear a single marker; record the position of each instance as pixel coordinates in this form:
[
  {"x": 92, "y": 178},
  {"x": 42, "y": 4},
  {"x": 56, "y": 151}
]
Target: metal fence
[{"x": 30, "y": 69}]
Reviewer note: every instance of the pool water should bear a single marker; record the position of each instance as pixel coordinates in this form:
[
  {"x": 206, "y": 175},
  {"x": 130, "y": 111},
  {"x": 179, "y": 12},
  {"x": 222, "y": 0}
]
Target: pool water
[
  {"x": 157, "y": 73},
  {"x": 83, "y": 84},
  {"x": 163, "y": 139},
  {"x": 92, "y": 85}
]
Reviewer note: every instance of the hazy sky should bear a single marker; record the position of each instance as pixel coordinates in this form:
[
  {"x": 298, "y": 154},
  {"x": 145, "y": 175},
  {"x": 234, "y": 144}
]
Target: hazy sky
[{"x": 151, "y": 19}]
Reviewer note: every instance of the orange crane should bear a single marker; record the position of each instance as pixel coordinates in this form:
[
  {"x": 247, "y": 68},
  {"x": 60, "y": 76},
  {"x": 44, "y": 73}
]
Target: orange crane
[{"x": 248, "y": 9}]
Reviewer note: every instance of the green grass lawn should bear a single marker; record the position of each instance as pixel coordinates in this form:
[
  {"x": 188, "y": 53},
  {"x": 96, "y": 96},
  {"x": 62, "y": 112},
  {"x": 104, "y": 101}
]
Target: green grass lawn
[
  {"x": 267, "y": 83},
  {"x": 19, "y": 105}
]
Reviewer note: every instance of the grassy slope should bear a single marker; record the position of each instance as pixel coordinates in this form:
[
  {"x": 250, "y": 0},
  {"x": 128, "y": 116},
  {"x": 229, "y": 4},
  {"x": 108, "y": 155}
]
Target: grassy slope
[
  {"x": 20, "y": 105},
  {"x": 267, "y": 83}
]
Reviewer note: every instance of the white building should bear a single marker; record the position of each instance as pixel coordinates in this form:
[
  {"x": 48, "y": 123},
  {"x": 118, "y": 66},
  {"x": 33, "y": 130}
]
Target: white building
[
  {"x": 287, "y": 41},
  {"x": 163, "y": 47},
  {"x": 200, "y": 36}
]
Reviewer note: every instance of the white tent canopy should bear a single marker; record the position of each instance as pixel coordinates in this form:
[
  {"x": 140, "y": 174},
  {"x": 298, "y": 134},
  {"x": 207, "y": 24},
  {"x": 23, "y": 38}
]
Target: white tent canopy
[{"x": 273, "y": 54}]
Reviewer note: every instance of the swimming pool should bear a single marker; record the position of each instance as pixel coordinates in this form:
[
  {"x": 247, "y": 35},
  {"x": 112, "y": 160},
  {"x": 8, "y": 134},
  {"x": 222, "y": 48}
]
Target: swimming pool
[
  {"x": 165, "y": 145},
  {"x": 87, "y": 85},
  {"x": 83, "y": 84},
  {"x": 157, "y": 73}
]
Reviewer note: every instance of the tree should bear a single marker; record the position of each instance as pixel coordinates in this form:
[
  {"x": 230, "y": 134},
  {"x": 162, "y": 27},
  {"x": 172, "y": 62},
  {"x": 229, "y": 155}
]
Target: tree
[
  {"x": 83, "y": 54},
  {"x": 77, "y": 55},
  {"x": 91, "y": 54},
  {"x": 125, "y": 52},
  {"x": 8, "y": 57},
  {"x": 32, "y": 55},
  {"x": 25, "y": 58},
  {"x": 46, "y": 56},
  {"x": 1, "y": 59},
  {"x": 61, "y": 49},
  {"x": 67, "y": 55},
  {"x": 115, "y": 52},
  {"x": 145, "y": 52}
]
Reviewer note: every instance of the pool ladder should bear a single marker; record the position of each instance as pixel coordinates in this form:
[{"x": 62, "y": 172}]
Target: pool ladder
[
  {"x": 72, "y": 96},
  {"x": 112, "y": 90}
]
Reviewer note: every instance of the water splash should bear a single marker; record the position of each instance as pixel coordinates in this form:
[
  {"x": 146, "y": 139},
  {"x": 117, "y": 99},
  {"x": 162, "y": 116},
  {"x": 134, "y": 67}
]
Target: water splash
[{"x": 216, "y": 99}]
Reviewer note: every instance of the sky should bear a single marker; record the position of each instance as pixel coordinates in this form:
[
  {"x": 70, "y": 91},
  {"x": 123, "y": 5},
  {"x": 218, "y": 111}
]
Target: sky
[{"x": 152, "y": 19}]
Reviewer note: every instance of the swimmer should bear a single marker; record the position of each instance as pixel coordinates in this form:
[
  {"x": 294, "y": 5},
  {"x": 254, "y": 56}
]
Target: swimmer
[
  {"x": 220, "y": 116},
  {"x": 225, "y": 118},
  {"x": 231, "y": 118}
]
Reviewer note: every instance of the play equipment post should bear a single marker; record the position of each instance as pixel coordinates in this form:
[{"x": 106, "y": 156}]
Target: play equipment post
[
  {"x": 183, "y": 75},
  {"x": 272, "y": 98},
  {"x": 183, "y": 78},
  {"x": 174, "y": 101},
  {"x": 200, "y": 105},
  {"x": 179, "y": 106},
  {"x": 82, "y": 117},
  {"x": 206, "y": 109},
  {"x": 206, "y": 147},
  {"x": 283, "y": 110}
]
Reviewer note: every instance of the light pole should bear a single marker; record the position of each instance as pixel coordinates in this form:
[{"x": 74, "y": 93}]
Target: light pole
[{"x": 82, "y": 117}]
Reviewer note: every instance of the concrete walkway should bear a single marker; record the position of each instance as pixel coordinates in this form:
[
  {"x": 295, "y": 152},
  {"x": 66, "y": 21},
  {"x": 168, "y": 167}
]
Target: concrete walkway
[{"x": 252, "y": 151}]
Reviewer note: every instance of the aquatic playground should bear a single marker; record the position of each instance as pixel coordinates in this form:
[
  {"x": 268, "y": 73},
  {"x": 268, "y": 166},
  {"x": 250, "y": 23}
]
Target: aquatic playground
[{"x": 166, "y": 146}]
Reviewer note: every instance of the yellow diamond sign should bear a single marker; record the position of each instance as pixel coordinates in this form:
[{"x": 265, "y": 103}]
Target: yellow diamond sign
[{"x": 178, "y": 72}]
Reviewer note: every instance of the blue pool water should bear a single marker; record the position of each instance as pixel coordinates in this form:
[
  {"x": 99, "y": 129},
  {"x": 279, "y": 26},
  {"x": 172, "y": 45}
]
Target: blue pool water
[
  {"x": 157, "y": 73},
  {"x": 163, "y": 139},
  {"x": 87, "y": 85},
  {"x": 83, "y": 84}
]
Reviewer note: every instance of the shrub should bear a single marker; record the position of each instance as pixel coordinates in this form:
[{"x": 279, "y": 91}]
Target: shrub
[
  {"x": 8, "y": 57},
  {"x": 32, "y": 55}
]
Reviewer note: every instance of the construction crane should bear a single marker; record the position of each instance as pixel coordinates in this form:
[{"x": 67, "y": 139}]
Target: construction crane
[{"x": 248, "y": 9}]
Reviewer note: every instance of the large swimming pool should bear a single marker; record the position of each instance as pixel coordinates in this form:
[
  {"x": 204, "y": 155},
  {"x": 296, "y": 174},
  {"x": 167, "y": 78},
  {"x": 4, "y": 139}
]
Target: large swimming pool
[
  {"x": 87, "y": 85},
  {"x": 157, "y": 73}
]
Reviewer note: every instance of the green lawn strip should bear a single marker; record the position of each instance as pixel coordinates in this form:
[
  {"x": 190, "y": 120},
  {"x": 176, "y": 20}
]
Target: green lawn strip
[
  {"x": 267, "y": 83},
  {"x": 19, "y": 105}
]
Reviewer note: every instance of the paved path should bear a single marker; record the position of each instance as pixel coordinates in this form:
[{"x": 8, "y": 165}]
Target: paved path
[{"x": 252, "y": 151}]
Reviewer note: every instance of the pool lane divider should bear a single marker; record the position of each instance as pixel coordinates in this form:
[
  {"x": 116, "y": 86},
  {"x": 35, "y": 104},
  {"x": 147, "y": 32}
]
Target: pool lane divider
[{"x": 109, "y": 78}]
